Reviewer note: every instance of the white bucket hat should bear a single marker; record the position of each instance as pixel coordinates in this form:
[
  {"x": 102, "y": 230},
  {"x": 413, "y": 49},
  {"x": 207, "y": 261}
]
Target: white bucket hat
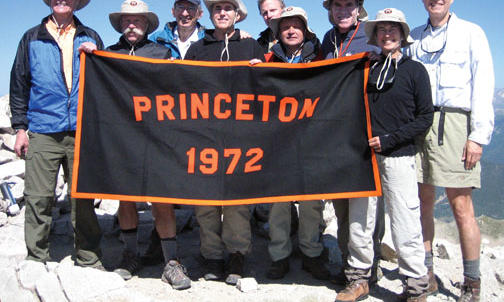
[
  {"x": 363, "y": 15},
  {"x": 134, "y": 7},
  {"x": 292, "y": 11},
  {"x": 388, "y": 15},
  {"x": 242, "y": 10},
  {"x": 81, "y": 5}
]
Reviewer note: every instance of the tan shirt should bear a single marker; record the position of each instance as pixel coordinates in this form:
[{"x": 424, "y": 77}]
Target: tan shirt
[{"x": 64, "y": 37}]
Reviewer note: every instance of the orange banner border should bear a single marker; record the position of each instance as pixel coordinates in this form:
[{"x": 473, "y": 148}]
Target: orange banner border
[{"x": 269, "y": 199}]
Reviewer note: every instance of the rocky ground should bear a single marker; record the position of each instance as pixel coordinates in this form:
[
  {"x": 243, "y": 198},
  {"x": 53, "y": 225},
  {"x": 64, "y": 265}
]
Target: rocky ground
[{"x": 60, "y": 280}]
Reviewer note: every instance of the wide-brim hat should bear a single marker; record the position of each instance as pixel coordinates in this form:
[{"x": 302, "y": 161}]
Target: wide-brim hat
[
  {"x": 291, "y": 11},
  {"x": 195, "y": 2},
  {"x": 363, "y": 15},
  {"x": 388, "y": 15},
  {"x": 81, "y": 5},
  {"x": 134, "y": 7},
  {"x": 242, "y": 10}
]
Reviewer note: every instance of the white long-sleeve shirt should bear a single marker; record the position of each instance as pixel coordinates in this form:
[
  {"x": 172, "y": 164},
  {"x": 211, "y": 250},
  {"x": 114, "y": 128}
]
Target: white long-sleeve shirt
[{"x": 459, "y": 62}]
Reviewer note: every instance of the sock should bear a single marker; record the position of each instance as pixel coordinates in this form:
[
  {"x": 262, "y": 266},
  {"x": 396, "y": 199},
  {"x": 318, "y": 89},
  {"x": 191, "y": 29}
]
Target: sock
[
  {"x": 169, "y": 246},
  {"x": 429, "y": 260},
  {"x": 472, "y": 269},
  {"x": 129, "y": 238}
]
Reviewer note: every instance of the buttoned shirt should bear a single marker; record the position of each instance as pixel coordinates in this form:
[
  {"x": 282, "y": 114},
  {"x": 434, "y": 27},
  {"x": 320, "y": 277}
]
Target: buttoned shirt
[
  {"x": 459, "y": 62},
  {"x": 64, "y": 37},
  {"x": 184, "y": 46}
]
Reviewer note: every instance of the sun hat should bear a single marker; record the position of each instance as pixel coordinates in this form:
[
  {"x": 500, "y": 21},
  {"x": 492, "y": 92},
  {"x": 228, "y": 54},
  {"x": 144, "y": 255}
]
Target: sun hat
[
  {"x": 363, "y": 15},
  {"x": 242, "y": 10},
  {"x": 291, "y": 11},
  {"x": 134, "y": 7},
  {"x": 388, "y": 15},
  {"x": 81, "y": 5}
]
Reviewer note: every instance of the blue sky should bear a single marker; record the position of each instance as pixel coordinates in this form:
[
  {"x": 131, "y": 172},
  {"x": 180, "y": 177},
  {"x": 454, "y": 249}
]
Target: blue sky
[{"x": 20, "y": 15}]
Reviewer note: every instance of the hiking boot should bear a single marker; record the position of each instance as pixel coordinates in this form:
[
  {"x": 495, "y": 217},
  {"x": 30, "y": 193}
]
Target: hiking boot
[
  {"x": 154, "y": 253},
  {"x": 315, "y": 266},
  {"x": 339, "y": 278},
  {"x": 130, "y": 264},
  {"x": 355, "y": 291},
  {"x": 470, "y": 290},
  {"x": 278, "y": 269},
  {"x": 422, "y": 298},
  {"x": 214, "y": 269},
  {"x": 175, "y": 274},
  {"x": 433, "y": 284},
  {"x": 235, "y": 268},
  {"x": 376, "y": 273}
]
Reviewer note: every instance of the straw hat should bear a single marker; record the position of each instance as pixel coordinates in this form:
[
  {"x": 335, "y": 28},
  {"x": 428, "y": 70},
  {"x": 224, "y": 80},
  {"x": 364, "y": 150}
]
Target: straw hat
[
  {"x": 242, "y": 10},
  {"x": 291, "y": 11},
  {"x": 363, "y": 15},
  {"x": 81, "y": 5},
  {"x": 388, "y": 15},
  {"x": 134, "y": 7}
]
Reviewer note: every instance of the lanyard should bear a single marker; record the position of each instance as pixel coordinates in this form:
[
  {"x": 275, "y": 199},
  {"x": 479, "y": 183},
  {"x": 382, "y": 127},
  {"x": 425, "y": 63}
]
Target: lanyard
[{"x": 342, "y": 51}]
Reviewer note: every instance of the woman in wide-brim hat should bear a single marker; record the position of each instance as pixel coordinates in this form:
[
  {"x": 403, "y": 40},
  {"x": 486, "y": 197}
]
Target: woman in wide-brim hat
[{"x": 401, "y": 108}]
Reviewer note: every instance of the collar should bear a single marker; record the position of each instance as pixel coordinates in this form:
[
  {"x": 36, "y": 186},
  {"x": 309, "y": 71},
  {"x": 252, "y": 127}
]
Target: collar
[{"x": 452, "y": 18}]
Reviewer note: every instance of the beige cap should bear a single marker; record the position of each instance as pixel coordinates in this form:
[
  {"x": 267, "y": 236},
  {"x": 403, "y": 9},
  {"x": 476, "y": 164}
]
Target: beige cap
[
  {"x": 291, "y": 11},
  {"x": 81, "y": 5},
  {"x": 242, "y": 10},
  {"x": 134, "y": 7},
  {"x": 388, "y": 15}
]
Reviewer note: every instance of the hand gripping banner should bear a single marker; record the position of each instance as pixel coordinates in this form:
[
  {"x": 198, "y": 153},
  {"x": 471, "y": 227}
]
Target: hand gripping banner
[{"x": 211, "y": 133}]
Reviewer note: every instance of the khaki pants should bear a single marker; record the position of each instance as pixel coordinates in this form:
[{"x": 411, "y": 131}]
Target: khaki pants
[
  {"x": 310, "y": 218},
  {"x": 232, "y": 233},
  {"x": 46, "y": 153}
]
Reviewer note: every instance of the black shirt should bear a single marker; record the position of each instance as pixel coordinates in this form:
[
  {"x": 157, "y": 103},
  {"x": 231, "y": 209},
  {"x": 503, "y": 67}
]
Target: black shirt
[{"x": 403, "y": 109}]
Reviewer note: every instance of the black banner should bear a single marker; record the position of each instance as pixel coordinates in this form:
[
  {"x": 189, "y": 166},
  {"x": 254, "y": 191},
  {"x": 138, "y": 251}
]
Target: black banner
[{"x": 212, "y": 133}]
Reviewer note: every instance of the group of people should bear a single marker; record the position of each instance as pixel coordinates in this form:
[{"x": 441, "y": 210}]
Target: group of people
[{"x": 430, "y": 94}]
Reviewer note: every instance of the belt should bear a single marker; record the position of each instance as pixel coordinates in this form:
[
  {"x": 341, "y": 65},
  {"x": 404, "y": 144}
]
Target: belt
[{"x": 442, "y": 115}]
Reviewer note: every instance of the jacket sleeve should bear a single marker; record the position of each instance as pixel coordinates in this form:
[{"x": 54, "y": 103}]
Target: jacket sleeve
[
  {"x": 424, "y": 112},
  {"x": 258, "y": 51},
  {"x": 20, "y": 84}
]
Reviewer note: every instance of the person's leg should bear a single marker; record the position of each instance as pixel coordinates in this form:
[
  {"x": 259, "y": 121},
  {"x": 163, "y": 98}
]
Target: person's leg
[
  {"x": 361, "y": 218},
  {"x": 211, "y": 244},
  {"x": 426, "y": 193},
  {"x": 237, "y": 238},
  {"x": 279, "y": 246},
  {"x": 341, "y": 211},
  {"x": 174, "y": 273},
  {"x": 42, "y": 165},
  {"x": 469, "y": 233},
  {"x": 400, "y": 192},
  {"x": 310, "y": 219},
  {"x": 86, "y": 228}
]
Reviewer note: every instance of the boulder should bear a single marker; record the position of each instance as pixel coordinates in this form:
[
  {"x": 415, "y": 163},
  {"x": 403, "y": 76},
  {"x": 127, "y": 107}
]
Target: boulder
[
  {"x": 247, "y": 285},
  {"x": 49, "y": 290},
  {"x": 29, "y": 272}
]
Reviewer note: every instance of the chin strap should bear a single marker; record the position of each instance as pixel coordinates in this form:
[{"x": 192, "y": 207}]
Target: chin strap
[{"x": 382, "y": 77}]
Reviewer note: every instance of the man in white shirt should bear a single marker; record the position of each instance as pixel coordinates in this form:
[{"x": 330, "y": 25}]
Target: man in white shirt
[{"x": 457, "y": 56}]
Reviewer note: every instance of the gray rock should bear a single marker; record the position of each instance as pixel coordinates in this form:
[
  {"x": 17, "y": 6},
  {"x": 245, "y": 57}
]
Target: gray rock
[
  {"x": 14, "y": 168},
  {"x": 49, "y": 290},
  {"x": 247, "y": 285},
  {"x": 7, "y": 156},
  {"x": 8, "y": 141},
  {"x": 444, "y": 250},
  {"x": 5, "y": 113},
  {"x": 12, "y": 243},
  {"x": 109, "y": 206},
  {"x": 10, "y": 289},
  {"x": 29, "y": 272},
  {"x": 84, "y": 284},
  {"x": 3, "y": 215}
]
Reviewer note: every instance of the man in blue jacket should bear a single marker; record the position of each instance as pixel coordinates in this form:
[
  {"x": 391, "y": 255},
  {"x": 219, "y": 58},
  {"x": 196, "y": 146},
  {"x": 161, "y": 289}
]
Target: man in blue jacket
[
  {"x": 43, "y": 99},
  {"x": 185, "y": 30}
]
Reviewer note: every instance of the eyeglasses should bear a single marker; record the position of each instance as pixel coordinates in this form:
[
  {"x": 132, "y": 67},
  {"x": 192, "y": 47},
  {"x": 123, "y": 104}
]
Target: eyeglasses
[
  {"x": 189, "y": 8},
  {"x": 429, "y": 48}
]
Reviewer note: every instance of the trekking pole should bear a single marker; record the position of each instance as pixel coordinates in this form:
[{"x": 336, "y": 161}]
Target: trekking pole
[{"x": 13, "y": 208}]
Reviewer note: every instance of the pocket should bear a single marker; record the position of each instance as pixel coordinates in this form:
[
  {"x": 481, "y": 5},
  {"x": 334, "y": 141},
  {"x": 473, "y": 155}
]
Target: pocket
[{"x": 453, "y": 71}]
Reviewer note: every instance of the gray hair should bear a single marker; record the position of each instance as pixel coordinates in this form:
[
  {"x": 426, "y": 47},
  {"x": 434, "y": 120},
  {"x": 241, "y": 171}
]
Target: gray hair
[{"x": 260, "y": 2}]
